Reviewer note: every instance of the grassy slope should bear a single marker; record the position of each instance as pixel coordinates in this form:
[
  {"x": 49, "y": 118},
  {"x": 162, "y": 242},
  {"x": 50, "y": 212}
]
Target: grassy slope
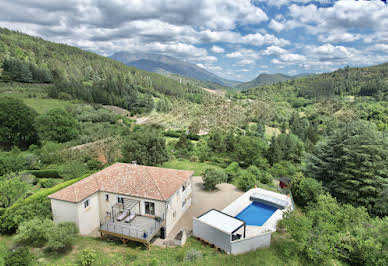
[
  {"x": 34, "y": 95},
  {"x": 197, "y": 167},
  {"x": 114, "y": 253}
]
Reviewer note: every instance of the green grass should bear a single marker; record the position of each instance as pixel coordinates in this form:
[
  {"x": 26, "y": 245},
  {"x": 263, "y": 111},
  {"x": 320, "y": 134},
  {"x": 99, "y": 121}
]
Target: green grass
[
  {"x": 114, "y": 253},
  {"x": 34, "y": 95},
  {"x": 197, "y": 167},
  {"x": 44, "y": 105}
]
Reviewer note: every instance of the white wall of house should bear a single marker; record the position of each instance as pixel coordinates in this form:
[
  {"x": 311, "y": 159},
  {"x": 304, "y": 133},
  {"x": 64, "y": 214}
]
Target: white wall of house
[
  {"x": 89, "y": 217},
  {"x": 64, "y": 211},
  {"x": 178, "y": 203}
]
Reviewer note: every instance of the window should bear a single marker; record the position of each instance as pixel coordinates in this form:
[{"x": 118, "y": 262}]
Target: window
[
  {"x": 86, "y": 203},
  {"x": 184, "y": 187},
  {"x": 183, "y": 203},
  {"x": 120, "y": 199},
  {"x": 149, "y": 208},
  {"x": 107, "y": 197},
  {"x": 173, "y": 214}
]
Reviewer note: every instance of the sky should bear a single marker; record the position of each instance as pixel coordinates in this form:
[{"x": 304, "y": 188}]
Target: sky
[{"x": 235, "y": 39}]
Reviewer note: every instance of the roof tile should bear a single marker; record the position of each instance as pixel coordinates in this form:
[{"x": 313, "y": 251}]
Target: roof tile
[{"x": 127, "y": 179}]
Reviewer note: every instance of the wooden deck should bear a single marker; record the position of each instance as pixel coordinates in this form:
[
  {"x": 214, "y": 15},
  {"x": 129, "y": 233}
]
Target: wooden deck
[{"x": 133, "y": 231}]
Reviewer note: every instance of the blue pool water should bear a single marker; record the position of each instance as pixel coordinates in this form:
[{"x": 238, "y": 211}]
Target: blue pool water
[{"x": 256, "y": 213}]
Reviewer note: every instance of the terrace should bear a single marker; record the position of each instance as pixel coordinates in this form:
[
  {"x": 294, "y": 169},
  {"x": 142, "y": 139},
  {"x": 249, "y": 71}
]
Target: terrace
[{"x": 140, "y": 228}]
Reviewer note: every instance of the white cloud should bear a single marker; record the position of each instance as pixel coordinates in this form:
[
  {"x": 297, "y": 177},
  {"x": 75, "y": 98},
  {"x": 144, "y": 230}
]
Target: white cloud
[
  {"x": 339, "y": 36},
  {"x": 271, "y": 50},
  {"x": 276, "y": 26},
  {"x": 217, "y": 49}
]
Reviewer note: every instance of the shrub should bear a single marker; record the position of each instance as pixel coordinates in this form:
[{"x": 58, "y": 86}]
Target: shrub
[
  {"x": 37, "y": 205},
  {"x": 87, "y": 257},
  {"x": 45, "y": 173},
  {"x": 94, "y": 165},
  {"x": 61, "y": 237},
  {"x": 20, "y": 256},
  {"x": 10, "y": 191},
  {"x": 246, "y": 181},
  {"x": 48, "y": 182},
  {"x": 306, "y": 190},
  {"x": 266, "y": 178},
  {"x": 73, "y": 169},
  {"x": 212, "y": 177},
  {"x": 254, "y": 171},
  {"x": 283, "y": 168},
  {"x": 34, "y": 232},
  {"x": 232, "y": 171}
]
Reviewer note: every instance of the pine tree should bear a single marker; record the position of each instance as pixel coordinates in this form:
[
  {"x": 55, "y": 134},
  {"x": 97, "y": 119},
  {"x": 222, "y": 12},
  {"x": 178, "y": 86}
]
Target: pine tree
[{"x": 352, "y": 165}]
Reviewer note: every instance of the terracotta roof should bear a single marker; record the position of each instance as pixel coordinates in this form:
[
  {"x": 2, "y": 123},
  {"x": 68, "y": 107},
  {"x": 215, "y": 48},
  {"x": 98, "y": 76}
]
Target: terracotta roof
[{"x": 127, "y": 179}]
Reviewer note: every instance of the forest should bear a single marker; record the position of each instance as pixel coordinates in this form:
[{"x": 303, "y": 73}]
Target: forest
[{"x": 326, "y": 132}]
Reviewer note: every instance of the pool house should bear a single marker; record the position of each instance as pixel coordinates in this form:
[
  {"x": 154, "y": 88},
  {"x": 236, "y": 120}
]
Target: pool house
[{"x": 244, "y": 225}]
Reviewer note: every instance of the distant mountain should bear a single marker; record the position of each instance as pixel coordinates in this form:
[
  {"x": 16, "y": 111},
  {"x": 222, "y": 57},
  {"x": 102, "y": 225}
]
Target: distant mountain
[
  {"x": 263, "y": 79},
  {"x": 163, "y": 64}
]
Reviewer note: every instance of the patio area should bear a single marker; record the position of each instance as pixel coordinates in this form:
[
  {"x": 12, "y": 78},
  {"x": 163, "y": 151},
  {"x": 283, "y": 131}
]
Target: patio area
[{"x": 140, "y": 229}]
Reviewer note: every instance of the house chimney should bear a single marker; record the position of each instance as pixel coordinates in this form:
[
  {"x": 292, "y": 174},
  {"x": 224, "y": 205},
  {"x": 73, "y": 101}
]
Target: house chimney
[{"x": 134, "y": 163}]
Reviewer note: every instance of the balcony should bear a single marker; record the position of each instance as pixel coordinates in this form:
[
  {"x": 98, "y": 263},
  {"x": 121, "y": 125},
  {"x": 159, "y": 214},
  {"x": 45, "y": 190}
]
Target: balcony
[{"x": 141, "y": 229}]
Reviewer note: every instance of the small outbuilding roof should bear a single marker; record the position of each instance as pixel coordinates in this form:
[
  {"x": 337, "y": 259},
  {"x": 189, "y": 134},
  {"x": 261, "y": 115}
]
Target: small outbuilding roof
[
  {"x": 221, "y": 221},
  {"x": 127, "y": 179},
  {"x": 285, "y": 180}
]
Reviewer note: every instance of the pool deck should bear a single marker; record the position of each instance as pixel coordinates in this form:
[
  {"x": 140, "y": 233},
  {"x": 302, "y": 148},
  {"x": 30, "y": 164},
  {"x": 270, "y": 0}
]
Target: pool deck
[{"x": 244, "y": 201}]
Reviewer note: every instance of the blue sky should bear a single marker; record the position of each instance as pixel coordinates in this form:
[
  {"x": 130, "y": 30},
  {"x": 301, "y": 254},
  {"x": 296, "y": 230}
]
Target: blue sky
[{"x": 236, "y": 39}]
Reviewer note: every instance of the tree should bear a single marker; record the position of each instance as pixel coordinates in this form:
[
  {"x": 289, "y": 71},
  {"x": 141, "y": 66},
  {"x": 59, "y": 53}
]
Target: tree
[
  {"x": 11, "y": 162},
  {"x": 212, "y": 177},
  {"x": 57, "y": 125},
  {"x": 34, "y": 232},
  {"x": 61, "y": 237},
  {"x": 10, "y": 191},
  {"x": 145, "y": 146},
  {"x": 249, "y": 149},
  {"x": 247, "y": 181},
  {"x": 329, "y": 230},
  {"x": 16, "y": 124},
  {"x": 306, "y": 190},
  {"x": 184, "y": 146},
  {"x": 352, "y": 165}
]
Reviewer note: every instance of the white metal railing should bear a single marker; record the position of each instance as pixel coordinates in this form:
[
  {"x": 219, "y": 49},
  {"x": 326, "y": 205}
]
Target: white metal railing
[{"x": 132, "y": 231}]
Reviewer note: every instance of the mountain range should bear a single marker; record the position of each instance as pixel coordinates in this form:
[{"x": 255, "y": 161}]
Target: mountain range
[{"x": 164, "y": 64}]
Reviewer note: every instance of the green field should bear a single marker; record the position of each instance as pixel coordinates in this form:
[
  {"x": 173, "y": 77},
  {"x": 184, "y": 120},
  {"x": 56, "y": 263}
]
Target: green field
[
  {"x": 34, "y": 95},
  {"x": 197, "y": 167},
  {"x": 112, "y": 252},
  {"x": 44, "y": 105}
]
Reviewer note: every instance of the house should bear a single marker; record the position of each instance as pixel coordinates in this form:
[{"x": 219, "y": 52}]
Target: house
[{"x": 130, "y": 201}]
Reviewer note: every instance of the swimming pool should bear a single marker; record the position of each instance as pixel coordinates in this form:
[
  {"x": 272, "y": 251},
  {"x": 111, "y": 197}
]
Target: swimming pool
[{"x": 256, "y": 213}]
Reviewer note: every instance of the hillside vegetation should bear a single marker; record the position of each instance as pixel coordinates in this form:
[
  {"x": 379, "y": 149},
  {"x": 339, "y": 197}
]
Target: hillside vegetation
[
  {"x": 78, "y": 74},
  {"x": 263, "y": 79},
  {"x": 327, "y": 133}
]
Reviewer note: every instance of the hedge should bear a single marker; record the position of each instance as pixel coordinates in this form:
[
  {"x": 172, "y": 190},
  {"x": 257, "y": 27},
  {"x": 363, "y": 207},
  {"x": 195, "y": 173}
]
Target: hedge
[
  {"x": 45, "y": 173},
  {"x": 37, "y": 205},
  {"x": 178, "y": 133}
]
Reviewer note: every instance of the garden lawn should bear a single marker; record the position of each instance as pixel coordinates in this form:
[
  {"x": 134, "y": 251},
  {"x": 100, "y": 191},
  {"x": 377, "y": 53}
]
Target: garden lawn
[{"x": 197, "y": 167}]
